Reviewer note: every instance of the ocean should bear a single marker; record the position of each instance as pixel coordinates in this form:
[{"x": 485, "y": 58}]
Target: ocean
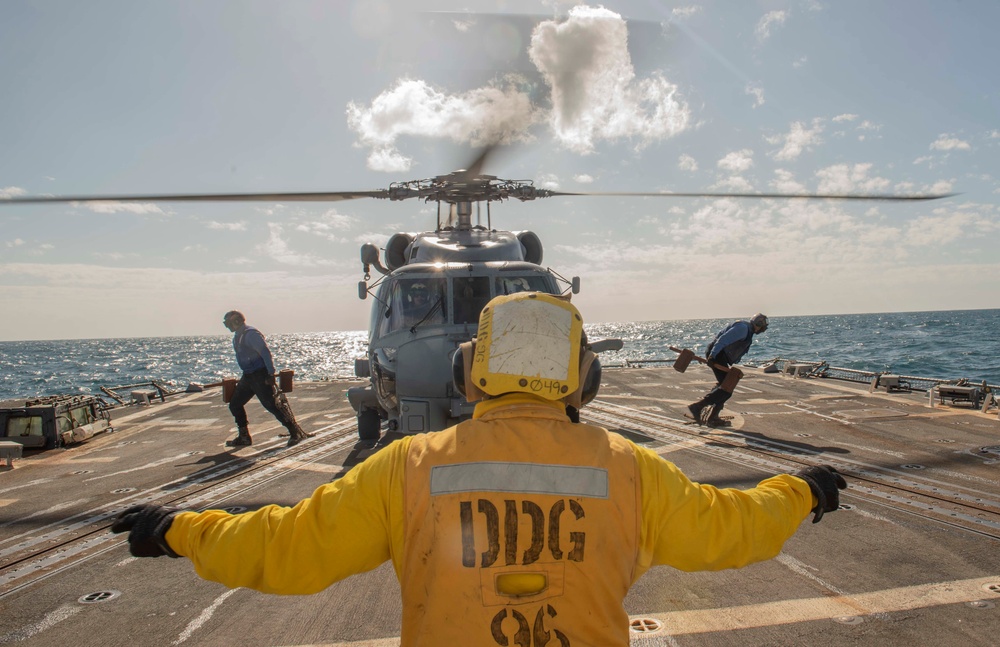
[{"x": 944, "y": 345}]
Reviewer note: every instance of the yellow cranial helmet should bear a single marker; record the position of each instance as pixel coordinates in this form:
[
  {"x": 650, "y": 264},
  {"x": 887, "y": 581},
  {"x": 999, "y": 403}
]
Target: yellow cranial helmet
[{"x": 528, "y": 342}]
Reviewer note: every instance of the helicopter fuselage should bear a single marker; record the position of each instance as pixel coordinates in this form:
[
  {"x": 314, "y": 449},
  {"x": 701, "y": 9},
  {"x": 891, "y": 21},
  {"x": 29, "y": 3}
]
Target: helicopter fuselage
[{"x": 425, "y": 306}]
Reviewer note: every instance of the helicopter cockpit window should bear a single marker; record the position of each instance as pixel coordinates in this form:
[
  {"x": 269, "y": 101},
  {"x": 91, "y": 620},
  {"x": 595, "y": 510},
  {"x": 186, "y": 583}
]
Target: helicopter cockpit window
[
  {"x": 472, "y": 293},
  {"x": 514, "y": 284},
  {"x": 415, "y": 301}
]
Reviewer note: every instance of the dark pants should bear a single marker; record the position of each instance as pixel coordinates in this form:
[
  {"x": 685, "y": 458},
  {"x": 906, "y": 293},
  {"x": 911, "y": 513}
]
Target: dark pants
[
  {"x": 270, "y": 396},
  {"x": 717, "y": 397}
]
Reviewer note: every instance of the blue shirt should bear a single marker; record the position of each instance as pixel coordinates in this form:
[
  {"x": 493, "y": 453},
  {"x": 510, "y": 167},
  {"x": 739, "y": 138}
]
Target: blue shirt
[
  {"x": 252, "y": 353},
  {"x": 734, "y": 339}
]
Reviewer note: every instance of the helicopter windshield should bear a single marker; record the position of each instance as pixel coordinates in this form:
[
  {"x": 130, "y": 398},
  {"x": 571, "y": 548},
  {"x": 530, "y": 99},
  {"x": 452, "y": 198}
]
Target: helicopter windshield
[
  {"x": 418, "y": 302},
  {"x": 415, "y": 301},
  {"x": 512, "y": 284},
  {"x": 472, "y": 293}
]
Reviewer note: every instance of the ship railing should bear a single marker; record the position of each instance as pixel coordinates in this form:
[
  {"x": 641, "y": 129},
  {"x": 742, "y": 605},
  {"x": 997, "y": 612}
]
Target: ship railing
[
  {"x": 905, "y": 382},
  {"x": 820, "y": 369}
]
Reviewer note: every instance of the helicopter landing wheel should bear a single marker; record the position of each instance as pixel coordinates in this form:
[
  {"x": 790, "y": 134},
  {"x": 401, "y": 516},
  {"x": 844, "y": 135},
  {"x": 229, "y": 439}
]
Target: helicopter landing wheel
[{"x": 369, "y": 425}]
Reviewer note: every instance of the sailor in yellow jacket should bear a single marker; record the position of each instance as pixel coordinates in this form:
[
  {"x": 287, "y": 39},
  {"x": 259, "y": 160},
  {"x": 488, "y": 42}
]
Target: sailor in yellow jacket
[{"x": 518, "y": 527}]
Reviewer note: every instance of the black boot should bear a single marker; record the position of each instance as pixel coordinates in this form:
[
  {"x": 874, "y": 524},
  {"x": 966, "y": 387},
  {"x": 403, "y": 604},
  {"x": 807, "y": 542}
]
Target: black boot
[
  {"x": 714, "y": 419},
  {"x": 695, "y": 411},
  {"x": 242, "y": 437},
  {"x": 296, "y": 434}
]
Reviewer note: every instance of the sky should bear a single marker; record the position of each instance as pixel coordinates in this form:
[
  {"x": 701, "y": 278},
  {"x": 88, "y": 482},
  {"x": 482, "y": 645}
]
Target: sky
[{"x": 848, "y": 96}]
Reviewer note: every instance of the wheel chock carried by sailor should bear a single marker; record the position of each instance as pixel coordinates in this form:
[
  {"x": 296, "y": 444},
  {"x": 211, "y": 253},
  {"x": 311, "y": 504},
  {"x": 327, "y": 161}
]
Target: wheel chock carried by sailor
[
  {"x": 725, "y": 350},
  {"x": 516, "y": 523}
]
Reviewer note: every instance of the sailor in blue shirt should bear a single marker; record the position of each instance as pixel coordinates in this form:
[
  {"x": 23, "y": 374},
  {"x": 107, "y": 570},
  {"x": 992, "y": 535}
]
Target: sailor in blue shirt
[
  {"x": 254, "y": 357},
  {"x": 728, "y": 347}
]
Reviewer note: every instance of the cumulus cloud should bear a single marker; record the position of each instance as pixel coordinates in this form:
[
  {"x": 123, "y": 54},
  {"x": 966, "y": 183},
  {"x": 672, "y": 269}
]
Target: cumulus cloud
[
  {"x": 845, "y": 117},
  {"x": 583, "y": 178},
  {"x": 946, "y": 226},
  {"x": 549, "y": 181},
  {"x": 388, "y": 160},
  {"x": 120, "y": 207},
  {"x": 499, "y": 113},
  {"x": 226, "y": 226},
  {"x": 593, "y": 89},
  {"x": 278, "y": 249},
  {"x": 42, "y": 249},
  {"x": 17, "y": 242},
  {"x": 941, "y": 186},
  {"x": 757, "y": 93},
  {"x": 328, "y": 225},
  {"x": 687, "y": 163},
  {"x": 798, "y": 139},
  {"x": 734, "y": 183},
  {"x": 376, "y": 238},
  {"x": 946, "y": 142},
  {"x": 784, "y": 182},
  {"x": 772, "y": 18},
  {"x": 724, "y": 240},
  {"x": 685, "y": 12},
  {"x": 737, "y": 161},
  {"x": 11, "y": 192},
  {"x": 849, "y": 178},
  {"x": 594, "y": 92}
]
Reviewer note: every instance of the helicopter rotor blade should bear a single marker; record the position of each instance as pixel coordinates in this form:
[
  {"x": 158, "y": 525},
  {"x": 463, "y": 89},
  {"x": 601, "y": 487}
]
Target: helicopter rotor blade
[
  {"x": 805, "y": 196},
  {"x": 204, "y": 197},
  {"x": 476, "y": 167}
]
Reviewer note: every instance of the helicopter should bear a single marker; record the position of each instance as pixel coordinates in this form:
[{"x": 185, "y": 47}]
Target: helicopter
[{"x": 434, "y": 284}]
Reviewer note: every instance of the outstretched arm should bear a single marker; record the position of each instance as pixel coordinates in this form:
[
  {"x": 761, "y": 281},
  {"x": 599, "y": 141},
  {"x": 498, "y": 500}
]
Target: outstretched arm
[
  {"x": 693, "y": 527},
  {"x": 346, "y": 527}
]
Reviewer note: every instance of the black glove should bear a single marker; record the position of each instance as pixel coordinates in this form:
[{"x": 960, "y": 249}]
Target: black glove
[
  {"x": 147, "y": 527},
  {"x": 824, "y": 481}
]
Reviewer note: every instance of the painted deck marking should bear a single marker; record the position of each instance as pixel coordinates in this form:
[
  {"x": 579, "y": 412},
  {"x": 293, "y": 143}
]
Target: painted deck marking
[
  {"x": 824, "y": 608},
  {"x": 50, "y": 620},
  {"x": 813, "y": 413},
  {"x": 202, "y": 618}
]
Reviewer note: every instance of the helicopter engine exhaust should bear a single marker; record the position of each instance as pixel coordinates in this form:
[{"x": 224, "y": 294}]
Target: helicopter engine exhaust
[
  {"x": 397, "y": 251},
  {"x": 532, "y": 246}
]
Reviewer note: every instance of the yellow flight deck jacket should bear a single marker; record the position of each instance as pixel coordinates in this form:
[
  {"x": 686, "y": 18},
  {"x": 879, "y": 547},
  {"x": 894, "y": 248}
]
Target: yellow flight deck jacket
[{"x": 517, "y": 527}]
